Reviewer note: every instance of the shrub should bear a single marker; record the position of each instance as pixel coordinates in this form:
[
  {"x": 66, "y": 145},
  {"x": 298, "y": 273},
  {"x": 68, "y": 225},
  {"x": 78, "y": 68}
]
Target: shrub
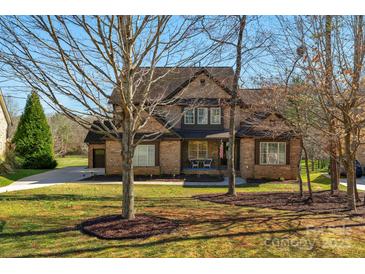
[
  {"x": 9, "y": 162},
  {"x": 33, "y": 139}
]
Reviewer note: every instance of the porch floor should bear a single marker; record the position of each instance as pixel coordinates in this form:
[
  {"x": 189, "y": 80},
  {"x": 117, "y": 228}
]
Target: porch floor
[
  {"x": 205, "y": 168},
  {"x": 211, "y": 171}
]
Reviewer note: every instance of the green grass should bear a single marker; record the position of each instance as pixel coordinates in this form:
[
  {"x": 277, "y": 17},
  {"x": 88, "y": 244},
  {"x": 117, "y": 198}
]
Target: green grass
[
  {"x": 43, "y": 223},
  {"x": 18, "y": 174},
  {"x": 67, "y": 161},
  {"x": 71, "y": 160}
]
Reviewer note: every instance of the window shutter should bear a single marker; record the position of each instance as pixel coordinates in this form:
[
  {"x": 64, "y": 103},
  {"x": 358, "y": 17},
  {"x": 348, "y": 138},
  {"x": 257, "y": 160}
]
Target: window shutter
[
  {"x": 288, "y": 152},
  {"x": 257, "y": 152},
  {"x": 157, "y": 154}
]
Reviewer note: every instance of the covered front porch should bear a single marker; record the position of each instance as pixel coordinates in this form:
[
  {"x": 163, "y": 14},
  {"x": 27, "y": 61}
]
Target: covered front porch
[{"x": 202, "y": 156}]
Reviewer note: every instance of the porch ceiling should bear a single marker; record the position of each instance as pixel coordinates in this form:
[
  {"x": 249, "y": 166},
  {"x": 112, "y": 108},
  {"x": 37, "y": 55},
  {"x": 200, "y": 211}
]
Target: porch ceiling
[{"x": 207, "y": 134}]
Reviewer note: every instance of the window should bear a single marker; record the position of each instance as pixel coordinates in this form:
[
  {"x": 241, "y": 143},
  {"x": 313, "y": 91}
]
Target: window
[
  {"x": 272, "y": 153},
  {"x": 189, "y": 117},
  {"x": 202, "y": 116},
  {"x": 198, "y": 150},
  {"x": 144, "y": 155},
  {"x": 215, "y": 116}
]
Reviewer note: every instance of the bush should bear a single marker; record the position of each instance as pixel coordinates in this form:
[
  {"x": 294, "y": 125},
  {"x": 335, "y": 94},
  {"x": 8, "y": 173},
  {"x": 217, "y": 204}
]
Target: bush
[
  {"x": 10, "y": 162},
  {"x": 39, "y": 162},
  {"x": 33, "y": 139}
]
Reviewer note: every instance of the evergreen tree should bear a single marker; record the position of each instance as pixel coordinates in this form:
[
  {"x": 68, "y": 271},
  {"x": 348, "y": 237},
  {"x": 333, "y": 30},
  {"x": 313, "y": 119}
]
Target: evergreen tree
[{"x": 33, "y": 137}]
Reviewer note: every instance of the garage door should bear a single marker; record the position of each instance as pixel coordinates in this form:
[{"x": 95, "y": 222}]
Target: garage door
[{"x": 99, "y": 158}]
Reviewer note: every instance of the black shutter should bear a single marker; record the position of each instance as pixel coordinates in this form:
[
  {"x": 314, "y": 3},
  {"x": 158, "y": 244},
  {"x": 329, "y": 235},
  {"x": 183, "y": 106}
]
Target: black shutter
[
  {"x": 288, "y": 152},
  {"x": 157, "y": 154},
  {"x": 257, "y": 152}
]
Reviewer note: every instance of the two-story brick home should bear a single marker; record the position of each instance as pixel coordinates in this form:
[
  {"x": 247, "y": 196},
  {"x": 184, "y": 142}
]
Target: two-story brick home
[{"x": 194, "y": 129}]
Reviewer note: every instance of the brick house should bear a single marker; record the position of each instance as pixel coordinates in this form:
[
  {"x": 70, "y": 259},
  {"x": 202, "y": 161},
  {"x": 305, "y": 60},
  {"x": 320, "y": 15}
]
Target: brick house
[
  {"x": 194, "y": 140},
  {"x": 5, "y": 122}
]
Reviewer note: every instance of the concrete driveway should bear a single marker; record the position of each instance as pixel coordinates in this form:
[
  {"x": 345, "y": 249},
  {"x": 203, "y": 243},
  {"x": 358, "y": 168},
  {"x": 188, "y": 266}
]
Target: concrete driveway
[
  {"x": 53, "y": 177},
  {"x": 74, "y": 174},
  {"x": 359, "y": 181}
]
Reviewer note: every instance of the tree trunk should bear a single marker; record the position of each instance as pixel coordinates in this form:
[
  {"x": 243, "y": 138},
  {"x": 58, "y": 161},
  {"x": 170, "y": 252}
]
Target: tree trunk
[
  {"x": 334, "y": 168},
  {"x": 128, "y": 177},
  {"x": 357, "y": 196},
  {"x": 328, "y": 86},
  {"x": 232, "y": 112},
  {"x": 349, "y": 164},
  {"x": 231, "y": 152},
  {"x": 312, "y": 163},
  {"x": 128, "y": 193},
  {"x": 300, "y": 181},
  {"x": 307, "y": 171}
]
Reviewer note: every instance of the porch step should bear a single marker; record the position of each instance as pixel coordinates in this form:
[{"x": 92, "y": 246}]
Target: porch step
[{"x": 205, "y": 171}]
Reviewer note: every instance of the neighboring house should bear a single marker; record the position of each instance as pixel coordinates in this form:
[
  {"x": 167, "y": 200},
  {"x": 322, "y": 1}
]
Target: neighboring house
[
  {"x": 200, "y": 135},
  {"x": 5, "y": 122},
  {"x": 360, "y": 154}
]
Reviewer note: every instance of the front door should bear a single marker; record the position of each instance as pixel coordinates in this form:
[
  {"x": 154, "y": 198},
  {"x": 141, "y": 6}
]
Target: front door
[
  {"x": 224, "y": 148},
  {"x": 99, "y": 158}
]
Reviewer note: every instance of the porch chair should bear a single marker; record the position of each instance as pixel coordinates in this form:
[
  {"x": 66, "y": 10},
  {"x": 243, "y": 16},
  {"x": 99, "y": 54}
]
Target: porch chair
[
  {"x": 194, "y": 163},
  {"x": 207, "y": 163}
]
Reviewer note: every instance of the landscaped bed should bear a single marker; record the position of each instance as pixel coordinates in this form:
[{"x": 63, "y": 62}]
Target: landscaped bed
[
  {"x": 323, "y": 201},
  {"x": 115, "y": 227}
]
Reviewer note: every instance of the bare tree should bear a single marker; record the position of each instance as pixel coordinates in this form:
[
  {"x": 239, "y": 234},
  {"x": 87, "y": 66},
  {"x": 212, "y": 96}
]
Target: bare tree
[
  {"x": 231, "y": 34},
  {"x": 331, "y": 65},
  {"x": 68, "y": 136},
  {"x": 75, "y": 62}
]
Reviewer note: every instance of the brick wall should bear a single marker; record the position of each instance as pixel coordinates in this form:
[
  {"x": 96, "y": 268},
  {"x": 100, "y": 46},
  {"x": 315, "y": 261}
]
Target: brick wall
[
  {"x": 3, "y": 132},
  {"x": 169, "y": 161},
  {"x": 249, "y": 169},
  {"x": 113, "y": 157},
  {"x": 170, "y": 157}
]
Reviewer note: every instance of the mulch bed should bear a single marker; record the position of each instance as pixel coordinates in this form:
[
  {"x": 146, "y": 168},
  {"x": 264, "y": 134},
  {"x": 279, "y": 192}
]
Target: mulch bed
[
  {"x": 323, "y": 202},
  {"x": 271, "y": 181},
  {"x": 115, "y": 227}
]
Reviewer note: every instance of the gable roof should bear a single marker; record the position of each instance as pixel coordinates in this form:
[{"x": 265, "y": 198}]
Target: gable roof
[
  {"x": 248, "y": 127},
  {"x": 93, "y": 137},
  {"x": 173, "y": 80},
  {"x": 5, "y": 109}
]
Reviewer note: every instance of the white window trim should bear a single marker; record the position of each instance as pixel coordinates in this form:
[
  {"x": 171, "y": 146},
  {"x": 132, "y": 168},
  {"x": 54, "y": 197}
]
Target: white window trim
[
  {"x": 148, "y": 156},
  {"x": 185, "y": 111},
  {"x": 196, "y": 157},
  {"x": 211, "y": 116},
  {"x": 271, "y": 164},
  {"x": 197, "y": 115}
]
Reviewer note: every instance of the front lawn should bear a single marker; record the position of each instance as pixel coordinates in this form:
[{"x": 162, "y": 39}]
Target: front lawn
[
  {"x": 18, "y": 174},
  {"x": 71, "y": 160},
  {"x": 44, "y": 223}
]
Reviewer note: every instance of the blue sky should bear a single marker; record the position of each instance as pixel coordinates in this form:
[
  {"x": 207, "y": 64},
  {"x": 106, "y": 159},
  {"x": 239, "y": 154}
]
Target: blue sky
[{"x": 263, "y": 67}]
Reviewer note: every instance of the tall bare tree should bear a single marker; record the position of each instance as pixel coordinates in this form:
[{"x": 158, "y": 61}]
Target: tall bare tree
[
  {"x": 332, "y": 64},
  {"x": 240, "y": 45},
  {"x": 76, "y": 61}
]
